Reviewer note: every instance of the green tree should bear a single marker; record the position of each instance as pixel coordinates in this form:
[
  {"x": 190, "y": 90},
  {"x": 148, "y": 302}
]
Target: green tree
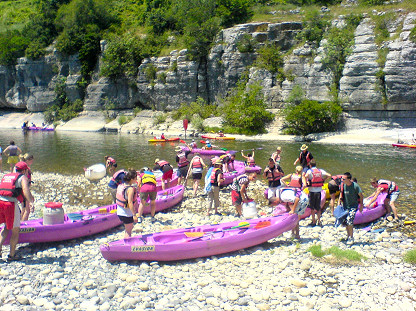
[
  {"x": 12, "y": 46},
  {"x": 314, "y": 26},
  {"x": 233, "y": 12}
]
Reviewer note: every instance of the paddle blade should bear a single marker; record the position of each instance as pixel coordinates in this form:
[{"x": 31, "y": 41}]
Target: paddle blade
[
  {"x": 242, "y": 224},
  {"x": 263, "y": 224},
  {"x": 194, "y": 234},
  {"x": 182, "y": 141},
  {"x": 202, "y": 141}
]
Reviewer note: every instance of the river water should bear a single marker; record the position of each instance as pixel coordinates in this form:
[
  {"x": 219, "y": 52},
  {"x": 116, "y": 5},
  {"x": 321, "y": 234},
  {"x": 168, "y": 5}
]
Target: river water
[{"x": 68, "y": 152}]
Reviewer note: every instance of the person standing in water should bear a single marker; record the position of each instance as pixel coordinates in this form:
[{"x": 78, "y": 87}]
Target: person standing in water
[{"x": 12, "y": 151}]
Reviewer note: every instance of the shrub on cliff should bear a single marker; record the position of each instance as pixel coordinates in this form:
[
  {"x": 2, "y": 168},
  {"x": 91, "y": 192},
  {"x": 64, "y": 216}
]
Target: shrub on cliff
[
  {"x": 245, "y": 110},
  {"x": 198, "y": 109},
  {"x": 12, "y": 46},
  {"x": 310, "y": 116},
  {"x": 314, "y": 26}
]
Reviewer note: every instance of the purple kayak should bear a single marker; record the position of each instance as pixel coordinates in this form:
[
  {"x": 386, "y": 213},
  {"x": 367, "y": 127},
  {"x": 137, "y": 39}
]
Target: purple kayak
[
  {"x": 75, "y": 225},
  {"x": 166, "y": 198},
  {"x": 229, "y": 176},
  {"x": 248, "y": 169},
  {"x": 212, "y": 152},
  {"x": 372, "y": 213},
  {"x": 38, "y": 128},
  {"x": 201, "y": 241},
  {"x": 173, "y": 182}
]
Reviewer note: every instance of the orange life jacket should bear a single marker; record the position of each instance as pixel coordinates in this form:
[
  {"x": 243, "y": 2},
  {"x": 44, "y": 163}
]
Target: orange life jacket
[
  {"x": 121, "y": 195},
  {"x": 296, "y": 181},
  {"x": 317, "y": 180}
]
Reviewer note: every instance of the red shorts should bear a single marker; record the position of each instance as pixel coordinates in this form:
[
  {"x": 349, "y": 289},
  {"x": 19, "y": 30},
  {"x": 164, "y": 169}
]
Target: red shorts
[
  {"x": 167, "y": 175},
  {"x": 236, "y": 198},
  {"x": 8, "y": 214}
]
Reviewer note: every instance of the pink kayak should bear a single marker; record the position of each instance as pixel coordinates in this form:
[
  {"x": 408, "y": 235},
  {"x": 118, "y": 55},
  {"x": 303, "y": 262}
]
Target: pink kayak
[
  {"x": 201, "y": 241},
  {"x": 173, "y": 182},
  {"x": 75, "y": 225},
  {"x": 372, "y": 213},
  {"x": 166, "y": 198},
  {"x": 212, "y": 152},
  {"x": 248, "y": 169},
  {"x": 229, "y": 176}
]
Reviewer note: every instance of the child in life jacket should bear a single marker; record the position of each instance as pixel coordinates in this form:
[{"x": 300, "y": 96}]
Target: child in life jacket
[{"x": 249, "y": 158}]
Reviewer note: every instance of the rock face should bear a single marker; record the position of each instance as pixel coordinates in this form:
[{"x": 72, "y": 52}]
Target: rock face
[{"x": 30, "y": 84}]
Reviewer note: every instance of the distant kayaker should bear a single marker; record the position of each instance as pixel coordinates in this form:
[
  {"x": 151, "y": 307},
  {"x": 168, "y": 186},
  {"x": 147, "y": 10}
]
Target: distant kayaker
[
  {"x": 14, "y": 189},
  {"x": 28, "y": 159},
  {"x": 148, "y": 190},
  {"x": 276, "y": 155},
  {"x": 351, "y": 197},
  {"x": 114, "y": 182},
  {"x": 304, "y": 158},
  {"x": 249, "y": 158},
  {"x": 110, "y": 164},
  {"x": 162, "y": 136},
  {"x": 239, "y": 191},
  {"x": 12, "y": 151},
  {"x": 183, "y": 163},
  {"x": 220, "y": 134},
  {"x": 216, "y": 180},
  {"x": 208, "y": 145},
  {"x": 197, "y": 167},
  {"x": 273, "y": 173},
  {"x": 127, "y": 204},
  {"x": 393, "y": 192},
  {"x": 166, "y": 169},
  {"x": 315, "y": 178}
]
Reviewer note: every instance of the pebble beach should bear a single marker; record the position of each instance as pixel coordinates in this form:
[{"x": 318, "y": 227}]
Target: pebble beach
[{"x": 278, "y": 275}]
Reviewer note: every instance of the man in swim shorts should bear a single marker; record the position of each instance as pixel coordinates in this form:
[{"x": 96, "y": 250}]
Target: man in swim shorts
[{"x": 12, "y": 151}]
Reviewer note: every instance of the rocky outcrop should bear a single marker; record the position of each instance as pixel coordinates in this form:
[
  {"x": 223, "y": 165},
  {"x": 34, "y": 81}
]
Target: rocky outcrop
[{"x": 366, "y": 88}]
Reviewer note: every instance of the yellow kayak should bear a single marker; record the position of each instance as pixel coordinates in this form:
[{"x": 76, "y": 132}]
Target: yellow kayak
[
  {"x": 324, "y": 187},
  {"x": 156, "y": 140}
]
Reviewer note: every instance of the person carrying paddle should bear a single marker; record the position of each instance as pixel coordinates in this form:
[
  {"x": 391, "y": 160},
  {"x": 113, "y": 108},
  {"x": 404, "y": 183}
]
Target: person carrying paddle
[
  {"x": 12, "y": 151},
  {"x": 351, "y": 197},
  {"x": 304, "y": 158},
  {"x": 197, "y": 167},
  {"x": 166, "y": 169},
  {"x": 249, "y": 158},
  {"x": 315, "y": 179},
  {"x": 393, "y": 192},
  {"x": 239, "y": 191},
  {"x": 216, "y": 180},
  {"x": 127, "y": 202},
  {"x": 14, "y": 188}
]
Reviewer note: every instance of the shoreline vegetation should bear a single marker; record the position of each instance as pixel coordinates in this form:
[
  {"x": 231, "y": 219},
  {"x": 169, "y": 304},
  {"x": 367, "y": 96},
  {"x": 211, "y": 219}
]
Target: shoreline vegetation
[{"x": 318, "y": 272}]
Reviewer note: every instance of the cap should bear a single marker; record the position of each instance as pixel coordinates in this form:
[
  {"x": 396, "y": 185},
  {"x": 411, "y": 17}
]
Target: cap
[
  {"x": 193, "y": 140},
  {"x": 20, "y": 166},
  {"x": 157, "y": 160},
  {"x": 304, "y": 147},
  {"x": 145, "y": 169},
  {"x": 207, "y": 141},
  {"x": 279, "y": 148},
  {"x": 177, "y": 149}
]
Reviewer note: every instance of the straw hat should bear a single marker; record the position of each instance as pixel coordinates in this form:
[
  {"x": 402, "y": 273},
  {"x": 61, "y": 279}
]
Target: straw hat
[
  {"x": 157, "y": 160},
  {"x": 304, "y": 147},
  {"x": 178, "y": 148},
  {"x": 279, "y": 149}
]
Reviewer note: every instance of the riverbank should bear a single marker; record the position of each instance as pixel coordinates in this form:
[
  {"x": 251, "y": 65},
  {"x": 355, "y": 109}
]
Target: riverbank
[
  {"x": 278, "y": 275},
  {"x": 356, "y": 131}
]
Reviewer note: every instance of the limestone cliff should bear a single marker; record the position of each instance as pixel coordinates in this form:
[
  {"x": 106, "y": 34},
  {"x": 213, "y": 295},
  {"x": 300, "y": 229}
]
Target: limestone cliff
[{"x": 30, "y": 84}]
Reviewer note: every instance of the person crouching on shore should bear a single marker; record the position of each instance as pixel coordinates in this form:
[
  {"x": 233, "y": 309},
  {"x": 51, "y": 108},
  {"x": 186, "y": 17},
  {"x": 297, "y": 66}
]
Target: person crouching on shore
[{"x": 127, "y": 204}]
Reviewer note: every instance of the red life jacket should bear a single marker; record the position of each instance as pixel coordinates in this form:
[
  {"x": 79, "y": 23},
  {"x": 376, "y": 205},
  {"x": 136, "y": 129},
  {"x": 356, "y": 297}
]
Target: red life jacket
[
  {"x": 196, "y": 162},
  {"x": 162, "y": 163},
  {"x": 115, "y": 178},
  {"x": 214, "y": 175},
  {"x": 271, "y": 176},
  {"x": 296, "y": 181},
  {"x": 111, "y": 160},
  {"x": 317, "y": 180},
  {"x": 391, "y": 185},
  {"x": 121, "y": 195},
  {"x": 8, "y": 186},
  {"x": 183, "y": 161}
]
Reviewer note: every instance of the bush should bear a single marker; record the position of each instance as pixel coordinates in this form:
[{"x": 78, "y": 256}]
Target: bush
[
  {"x": 382, "y": 23},
  {"x": 311, "y": 117},
  {"x": 314, "y": 27},
  {"x": 159, "y": 118},
  {"x": 198, "y": 108},
  {"x": 413, "y": 35},
  {"x": 245, "y": 111},
  {"x": 271, "y": 59},
  {"x": 162, "y": 77},
  {"x": 410, "y": 256},
  {"x": 150, "y": 72},
  {"x": 35, "y": 50},
  {"x": 233, "y": 11},
  {"x": 247, "y": 44},
  {"x": 124, "y": 119},
  {"x": 12, "y": 46}
]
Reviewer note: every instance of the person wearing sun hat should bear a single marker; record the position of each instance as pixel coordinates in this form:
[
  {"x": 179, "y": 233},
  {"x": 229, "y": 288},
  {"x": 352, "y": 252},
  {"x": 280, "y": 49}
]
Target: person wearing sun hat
[
  {"x": 183, "y": 162},
  {"x": 304, "y": 158}
]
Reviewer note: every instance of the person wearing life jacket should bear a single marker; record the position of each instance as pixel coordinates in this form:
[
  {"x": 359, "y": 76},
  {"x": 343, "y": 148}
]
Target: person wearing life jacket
[
  {"x": 208, "y": 145},
  {"x": 304, "y": 158},
  {"x": 127, "y": 204},
  {"x": 216, "y": 180},
  {"x": 197, "y": 167},
  {"x": 28, "y": 159},
  {"x": 393, "y": 192},
  {"x": 351, "y": 198},
  {"x": 193, "y": 144},
  {"x": 162, "y": 136},
  {"x": 220, "y": 134},
  {"x": 276, "y": 155},
  {"x": 167, "y": 170},
  {"x": 273, "y": 173},
  {"x": 114, "y": 182},
  {"x": 148, "y": 191},
  {"x": 14, "y": 188},
  {"x": 249, "y": 158},
  {"x": 12, "y": 151},
  {"x": 315, "y": 178},
  {"x": 183, "y": 163},
  {"x": 333, "y": 187},
  {"x": 239, "y": 191},
  {"x": 110, "y": 164},
  {"x": 295, "y": 179}
]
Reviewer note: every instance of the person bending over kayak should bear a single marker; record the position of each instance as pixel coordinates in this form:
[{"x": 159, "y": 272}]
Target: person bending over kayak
[
  {"x": 127, "y": 202},
  {"x": 148, "y": 190},
  {"x": 249, "y": 158},
  {"x": 239, "y": 191},
  {"x": 333, "y": 187},
  {"x": 166, "y": 169},
  {"x": 114, "y": 182},
  {"x": 393, "y": 192},
  {"x": 110, "y": 164}
]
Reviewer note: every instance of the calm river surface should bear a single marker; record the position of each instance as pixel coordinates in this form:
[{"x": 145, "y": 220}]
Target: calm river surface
[{"x": 67, "y": 153}]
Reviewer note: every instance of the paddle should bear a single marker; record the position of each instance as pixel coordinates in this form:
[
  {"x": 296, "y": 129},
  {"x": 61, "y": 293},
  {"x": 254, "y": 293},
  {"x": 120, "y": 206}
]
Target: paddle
[
  {"x": 252, "y": 149},
  {"x": 198, "y": 234}
]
